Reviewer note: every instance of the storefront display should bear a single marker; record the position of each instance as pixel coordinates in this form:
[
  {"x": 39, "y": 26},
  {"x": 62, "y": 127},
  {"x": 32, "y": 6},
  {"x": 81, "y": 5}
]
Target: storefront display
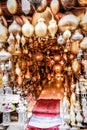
[{"x": 45, "y": 46}]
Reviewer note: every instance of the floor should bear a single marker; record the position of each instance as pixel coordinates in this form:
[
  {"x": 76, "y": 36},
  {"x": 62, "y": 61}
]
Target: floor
[
  {"x": 21, "y": 127},
  {"x": 13, "y": 126}
]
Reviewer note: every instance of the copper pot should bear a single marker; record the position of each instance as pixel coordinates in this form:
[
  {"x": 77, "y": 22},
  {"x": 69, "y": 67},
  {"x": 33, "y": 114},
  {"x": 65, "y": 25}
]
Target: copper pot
[
  {"x": 57, "y": 68},
  {"x": 28, "y": 74},
  {"x": 39, "y": 57},
  {"x": 49, "y": 76},
  {"x": 23, "y": 64},
  {"x": 71, "y": 56},
  {"x": 65, "y": 57},
  {"x": 52, "y": 62},
  {"x": 69, "y": 70},
  {"x": 57, "y": 57},
  {"x": 62, "y": 62},
  {"x": 59, "y": 77},
  {"x": 75, "y": 47},
  {"x": 76, "y": 66}
]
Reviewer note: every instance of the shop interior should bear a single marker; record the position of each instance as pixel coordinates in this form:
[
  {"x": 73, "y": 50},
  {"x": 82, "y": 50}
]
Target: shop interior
[{"x": 43, "y": 64}]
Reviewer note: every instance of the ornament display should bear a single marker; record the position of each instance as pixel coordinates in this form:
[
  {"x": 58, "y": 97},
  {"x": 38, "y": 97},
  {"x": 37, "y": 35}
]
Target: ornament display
[{"x": 48, "y": 45}]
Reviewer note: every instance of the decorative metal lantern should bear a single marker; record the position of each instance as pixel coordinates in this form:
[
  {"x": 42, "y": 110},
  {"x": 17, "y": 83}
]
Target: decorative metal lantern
[{"x": 22, "y": 117}]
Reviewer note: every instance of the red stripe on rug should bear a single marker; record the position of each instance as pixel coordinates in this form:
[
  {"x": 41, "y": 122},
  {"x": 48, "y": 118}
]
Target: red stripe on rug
[{"x": 47, "y": 107}]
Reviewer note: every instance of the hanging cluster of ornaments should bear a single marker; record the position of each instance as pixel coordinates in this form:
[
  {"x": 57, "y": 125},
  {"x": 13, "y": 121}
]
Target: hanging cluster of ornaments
[{"x": 45, "y": 44}]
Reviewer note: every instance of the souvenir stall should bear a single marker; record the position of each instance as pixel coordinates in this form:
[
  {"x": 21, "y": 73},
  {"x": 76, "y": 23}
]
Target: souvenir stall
[{"x": 43, "y": 63}]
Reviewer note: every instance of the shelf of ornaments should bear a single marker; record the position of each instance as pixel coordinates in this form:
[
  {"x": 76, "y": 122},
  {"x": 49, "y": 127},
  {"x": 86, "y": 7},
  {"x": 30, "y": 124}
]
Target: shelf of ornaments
[
  {"x": 5, "y": 69},
  {"x": 9, "y": 95},
  {"x": 79, "y": 58},
  {"x": 39, "y": 54},
  {"x": 43, "y": 65},
  {"x": 74, "y": 113},
  {"x": 30, "y": 6},
  {"x": 47, "y": 49},
  {"x": 37, "y": 60}
]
